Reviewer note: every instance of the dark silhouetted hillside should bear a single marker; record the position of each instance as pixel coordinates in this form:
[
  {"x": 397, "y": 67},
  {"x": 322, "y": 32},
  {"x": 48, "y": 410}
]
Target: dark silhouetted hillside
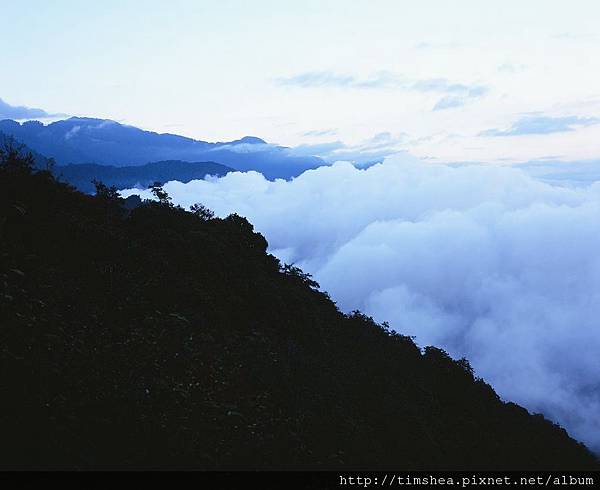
[
  {"x": 160, "y": 338},
  {"x": 81, "y": 176},
  {"x": 104, "y": 142}
]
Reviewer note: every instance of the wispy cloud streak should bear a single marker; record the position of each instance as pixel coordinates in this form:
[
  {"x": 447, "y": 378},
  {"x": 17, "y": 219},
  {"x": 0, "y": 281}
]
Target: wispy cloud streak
[
  {"x": 455, "y": 94},
  {"x": 539, "y": 124}
]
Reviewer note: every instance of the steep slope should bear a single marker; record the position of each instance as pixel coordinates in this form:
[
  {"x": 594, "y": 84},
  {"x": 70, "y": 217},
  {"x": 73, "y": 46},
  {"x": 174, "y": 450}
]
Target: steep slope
[
  {"x": 105, "y": 142},
  {"x": 81, "y": 176},
  {"x": 156, "y": 338}
]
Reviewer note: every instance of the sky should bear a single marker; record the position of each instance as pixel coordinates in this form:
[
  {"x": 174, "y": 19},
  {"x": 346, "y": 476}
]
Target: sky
[{"x": 497, "y": 81}]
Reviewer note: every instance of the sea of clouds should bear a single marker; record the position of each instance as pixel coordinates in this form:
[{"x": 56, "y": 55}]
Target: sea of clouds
[{"x": 484, "y": 261}]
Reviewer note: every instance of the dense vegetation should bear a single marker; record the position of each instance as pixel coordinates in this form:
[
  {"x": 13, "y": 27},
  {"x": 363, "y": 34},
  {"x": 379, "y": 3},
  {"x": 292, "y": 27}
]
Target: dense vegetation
[{"x": 162, "y": 338}]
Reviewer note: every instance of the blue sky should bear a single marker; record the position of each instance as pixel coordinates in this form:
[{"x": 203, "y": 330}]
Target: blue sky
[{"x": 442, "y": 80}]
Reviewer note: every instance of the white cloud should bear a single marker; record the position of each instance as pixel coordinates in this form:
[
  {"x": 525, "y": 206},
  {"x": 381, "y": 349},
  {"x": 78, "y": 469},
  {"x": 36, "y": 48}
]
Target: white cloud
[
  {"x": 367, "y": 152},
  {"x": 72, "y": 132},
  {"x": 484, "y": 261}
]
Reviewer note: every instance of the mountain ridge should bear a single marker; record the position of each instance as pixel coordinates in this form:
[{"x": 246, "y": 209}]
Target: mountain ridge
[
  {"x": 82, "y": 175},
  {"x": 105, "y": 142}
]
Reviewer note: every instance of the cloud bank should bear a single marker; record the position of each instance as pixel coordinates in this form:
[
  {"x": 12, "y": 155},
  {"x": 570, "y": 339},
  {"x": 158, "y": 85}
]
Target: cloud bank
[
  {"x": 572, "y": 173},
  {"x": 484, "y": 261}
]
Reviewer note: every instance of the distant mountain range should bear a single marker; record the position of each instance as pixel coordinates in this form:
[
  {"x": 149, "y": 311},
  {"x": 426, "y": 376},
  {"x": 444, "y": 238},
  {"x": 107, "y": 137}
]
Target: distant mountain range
[
  {"x": 81, "y": 176},
  {"x": 104, "y": 142}
]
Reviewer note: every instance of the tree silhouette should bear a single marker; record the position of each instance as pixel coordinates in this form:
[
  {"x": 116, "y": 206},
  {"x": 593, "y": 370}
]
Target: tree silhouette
[
  {"x": 14, "y": 157},
  {"x": 50, "y": 164},
  {"x": 161, "y": 195},
  {"x": 104, "y": 192},
  {"x": 304, "y": 277},
  {"x": 202, "y": 212}
]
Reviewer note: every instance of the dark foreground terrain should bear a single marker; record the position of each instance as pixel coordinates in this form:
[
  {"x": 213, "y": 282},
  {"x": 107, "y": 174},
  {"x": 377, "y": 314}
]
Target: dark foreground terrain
[{"x": 161, "y": 338}]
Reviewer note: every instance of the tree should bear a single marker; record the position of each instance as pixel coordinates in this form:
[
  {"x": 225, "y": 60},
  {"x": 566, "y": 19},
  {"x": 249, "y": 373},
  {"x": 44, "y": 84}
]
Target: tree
[
  {"x": 13, "y": 156},
  {"x": 50, "y": 164},
  {"x": 160, "y": 194},
  {"x": 304, "y": 277},
  {"x": 202, "y": 212},
  {"x": 104, "y": 192}
]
